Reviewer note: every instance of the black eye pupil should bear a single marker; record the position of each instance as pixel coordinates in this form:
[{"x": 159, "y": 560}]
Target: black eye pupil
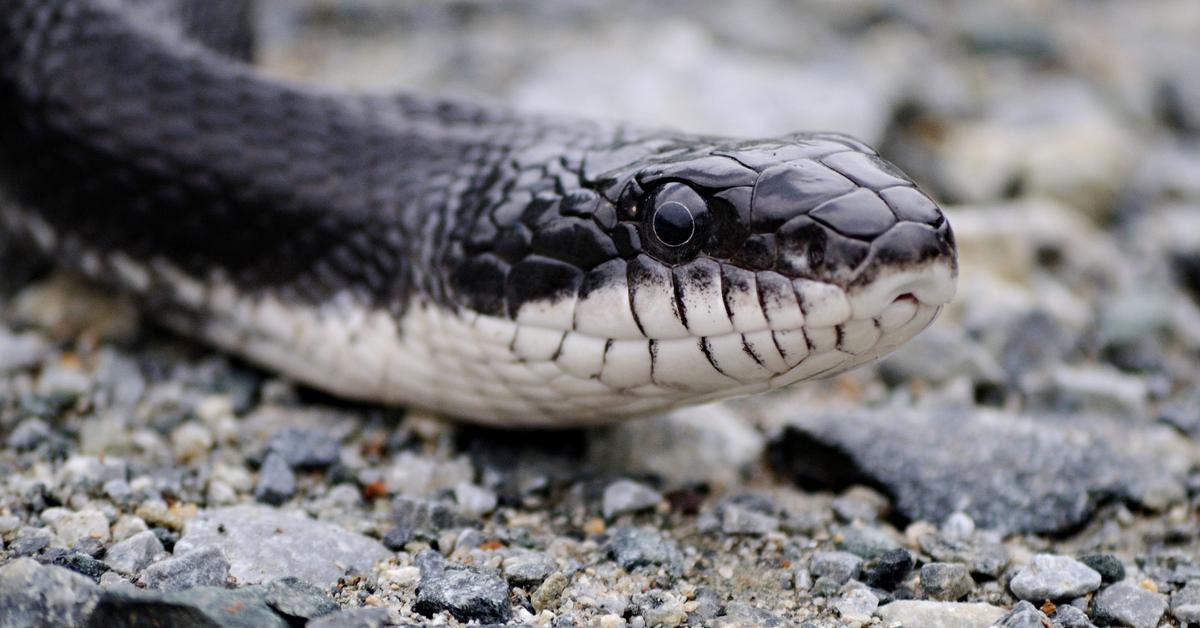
[{"x": 674, "y": 224}]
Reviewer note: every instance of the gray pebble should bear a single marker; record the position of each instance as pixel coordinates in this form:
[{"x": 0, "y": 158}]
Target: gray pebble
[
  {"x": 134, "y": 553},
  {"x": 1023, "y": 615},
  {"x": 423, "y": 519},
  {"x": 1185, "y": 603},
  {"x": 467, "y": 595},
  {"x": 1124, "y": 604},
  {"x": 857, "y": 604},
  {"x": 475, "y": 500},
  {"x": 1068, "y": 616},
  {"x": 743, "y": 614},
  {"x": 627, "y": 496},
  {"x": 638, "y": 547},
  {"x": 276, "y": 482},
  {"x": 266, "y": 543},
  {"x": 36, "y": 595},
  {"x": 205, "y": 567},
  {"x": 353, "y": 618},
  {"x": 660, "y": 608},
  {"x": 840, "y": 567},
  {"x": 199, "y": 606},
  {"x": 941, "y": 614},
  {"x": 946, "y": 581},
  {"x": 28, "y": 434},
  {"x": 740, "y": 519},
  {"x": 958, "y": 527},
  {"x": 296, "y": 598},
  {"x": 303, "y": 448},
  {"x": 980, "y": 557},
  {"x": 527, "y": 569},
  {"x": 869, "y": 543},
  {"x": 1052, "y": 577}
]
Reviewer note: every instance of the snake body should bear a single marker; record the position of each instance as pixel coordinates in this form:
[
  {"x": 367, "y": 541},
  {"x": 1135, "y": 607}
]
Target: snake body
[{"x": 495, "y": 266}]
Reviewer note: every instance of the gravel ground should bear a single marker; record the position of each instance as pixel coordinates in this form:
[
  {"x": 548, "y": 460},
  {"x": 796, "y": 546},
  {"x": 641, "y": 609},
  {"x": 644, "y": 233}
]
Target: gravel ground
[{"x": 1031, "y": 460}]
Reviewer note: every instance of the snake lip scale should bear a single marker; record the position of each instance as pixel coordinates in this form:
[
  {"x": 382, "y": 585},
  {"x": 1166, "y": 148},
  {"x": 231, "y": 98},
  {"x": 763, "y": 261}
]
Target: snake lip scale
[{"x": 485, "y": 264}]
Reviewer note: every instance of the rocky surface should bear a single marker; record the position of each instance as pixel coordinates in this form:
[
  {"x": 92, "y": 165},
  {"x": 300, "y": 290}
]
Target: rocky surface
[{"x": 1030, "y": 460}]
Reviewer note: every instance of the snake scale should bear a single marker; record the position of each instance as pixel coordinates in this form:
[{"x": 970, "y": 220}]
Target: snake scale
[{"x": 491, "y": 265}]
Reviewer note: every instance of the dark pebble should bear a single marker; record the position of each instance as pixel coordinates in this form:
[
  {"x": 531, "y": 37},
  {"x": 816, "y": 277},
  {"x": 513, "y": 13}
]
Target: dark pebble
[
  {"x": 1108, "y": 566},
  {"x": 78, "y": 562},
  {"x": 276, "y": 482},
  {"x": 889, "y": 569},
  {"x": 200, "y": 606},
  {"x": 467, "y": 595},
  {"x": 422, "y": 519}
]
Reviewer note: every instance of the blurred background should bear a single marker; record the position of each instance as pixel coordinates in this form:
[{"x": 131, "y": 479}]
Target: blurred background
[{"x": 1053, "y": 408}]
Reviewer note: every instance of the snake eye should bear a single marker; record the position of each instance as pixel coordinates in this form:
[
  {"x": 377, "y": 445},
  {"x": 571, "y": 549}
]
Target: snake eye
[{"x": 675, "y": 222}]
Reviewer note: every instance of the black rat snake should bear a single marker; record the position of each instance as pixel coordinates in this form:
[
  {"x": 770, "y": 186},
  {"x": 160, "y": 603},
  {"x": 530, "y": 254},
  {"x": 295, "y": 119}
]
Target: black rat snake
[{"x": 501, "y": 267}]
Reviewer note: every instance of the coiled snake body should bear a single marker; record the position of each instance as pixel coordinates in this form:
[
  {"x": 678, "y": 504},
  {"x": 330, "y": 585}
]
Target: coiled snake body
[{"x": 484, "y": 264}]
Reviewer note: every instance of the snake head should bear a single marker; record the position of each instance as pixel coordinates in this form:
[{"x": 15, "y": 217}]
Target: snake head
[{"x": 683, "y": 269}]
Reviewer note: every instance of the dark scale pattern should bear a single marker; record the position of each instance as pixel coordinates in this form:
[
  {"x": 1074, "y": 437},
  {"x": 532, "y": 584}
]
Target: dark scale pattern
[{"x": 127, "y": 135}]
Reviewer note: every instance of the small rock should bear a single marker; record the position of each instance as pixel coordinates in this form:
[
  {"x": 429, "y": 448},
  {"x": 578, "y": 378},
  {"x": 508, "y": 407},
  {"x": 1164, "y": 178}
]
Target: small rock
[
  {"x": 1108, "y": 566},
  {"x": 1052, "y": 577},
  {"x": 738, "y": 614},
  {"x": 700, "y": 445},
  {"x": 527, "y": 569},
  {"x": 1068, "y": 616},
  {"x": 546, "y": 596},
  {"x": 366, "y": 617},
  {"x": 741, "y": 519},
  {"x": 626, "y": 496},
  {"x": 857, "y": 605},
  {"x": 422, "y": 519},
  {"x": 30, "y": 541},
  {"x": 475, "y": 500},
  {"x": 841, "y": 567},
  {"x": 191, "y": 441},
  {"x": 981, "y": 557},
  {"x": 205, "y": 567},
  {"x": 28, "y": 434},
  {"x": 958, "y": 527},
  {"x": 928, "y": 614},
  {"x": 20, "y": 351},
  {"x": 660, "y": 608},
  {"x": 264, "y": 543},
  {"x": 78, "y": 562},
  {"x": 869, "y": 543},
  {"x": 860, "y": 503},
  {"x": 636, "y": 547},
  {"x": 1023, "y": 615},
  {"x": 304, "y": 448},
  {"x": 889, "y": 569},
  {"x": 36, "y": 595},
  {"x": 200, "y": 606},
  {"x": 9, "y": 524},
  {"x": 946, "y": 581},
  {"x": 276, "y": 482},
  {"x": 134, "y": 553},
  {"x": 295, "y": 598},
  {"x": 1125, "y": 604},
  {"x": 1185, "y": 603},
  {"x": 465, "y": 594},
  {"x": 85, "y": 524}
]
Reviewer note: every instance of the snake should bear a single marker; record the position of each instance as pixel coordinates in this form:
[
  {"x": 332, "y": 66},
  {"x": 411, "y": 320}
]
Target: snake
[{"x": 511, "y": 268}]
